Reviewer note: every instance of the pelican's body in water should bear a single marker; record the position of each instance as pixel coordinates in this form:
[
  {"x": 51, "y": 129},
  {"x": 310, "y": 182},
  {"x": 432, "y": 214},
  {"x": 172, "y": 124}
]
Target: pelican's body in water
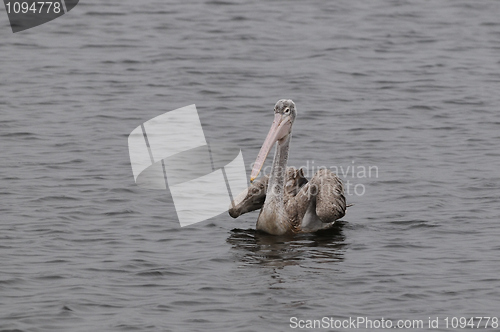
[{"x": 290, "y": 203}]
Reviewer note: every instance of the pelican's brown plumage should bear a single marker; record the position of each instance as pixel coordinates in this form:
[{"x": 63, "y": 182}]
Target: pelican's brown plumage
[
  {"x": 290, "y": 205},
  {"x": 253, "y": 198}
]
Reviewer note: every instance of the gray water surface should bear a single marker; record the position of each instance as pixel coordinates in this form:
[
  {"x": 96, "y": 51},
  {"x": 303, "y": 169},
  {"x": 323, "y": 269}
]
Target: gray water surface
[{"x": 409, "y": 88}]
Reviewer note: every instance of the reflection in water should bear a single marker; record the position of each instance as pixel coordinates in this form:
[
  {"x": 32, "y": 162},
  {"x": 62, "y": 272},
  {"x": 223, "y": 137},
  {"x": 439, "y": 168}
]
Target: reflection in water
[{"x": 254, "y": 247}]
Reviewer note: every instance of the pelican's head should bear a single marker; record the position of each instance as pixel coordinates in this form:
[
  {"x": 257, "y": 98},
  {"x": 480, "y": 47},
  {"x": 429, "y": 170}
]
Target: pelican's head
[
  {"x": 284, "y": 116},
  {"x": 250, "y": 199},
  {"x": 287, "y": 109}
]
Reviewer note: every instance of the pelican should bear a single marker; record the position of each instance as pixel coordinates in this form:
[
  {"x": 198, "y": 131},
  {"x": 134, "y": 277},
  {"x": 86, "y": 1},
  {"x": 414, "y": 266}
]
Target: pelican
[
  {"x": 290, "y": 205},
  {"x": 253, "y": 198}
]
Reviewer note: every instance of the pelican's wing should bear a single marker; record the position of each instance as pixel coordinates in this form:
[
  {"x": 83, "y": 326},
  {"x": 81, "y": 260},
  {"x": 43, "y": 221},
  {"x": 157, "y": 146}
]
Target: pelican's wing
[
  {"x": 329, "y": 193},
  {"x": 318, "y": 203}
]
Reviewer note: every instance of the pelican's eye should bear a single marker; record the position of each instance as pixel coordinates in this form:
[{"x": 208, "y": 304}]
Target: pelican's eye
[{"x": 287, "y": 111}]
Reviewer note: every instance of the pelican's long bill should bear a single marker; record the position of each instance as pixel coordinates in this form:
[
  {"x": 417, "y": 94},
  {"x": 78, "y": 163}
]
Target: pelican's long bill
[{"x": 279, "y": 129}]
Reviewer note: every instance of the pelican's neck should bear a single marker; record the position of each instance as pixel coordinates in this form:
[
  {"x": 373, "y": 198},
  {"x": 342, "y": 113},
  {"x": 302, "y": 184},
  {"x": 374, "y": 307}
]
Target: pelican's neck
[{"x": 276, "y": 186}]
